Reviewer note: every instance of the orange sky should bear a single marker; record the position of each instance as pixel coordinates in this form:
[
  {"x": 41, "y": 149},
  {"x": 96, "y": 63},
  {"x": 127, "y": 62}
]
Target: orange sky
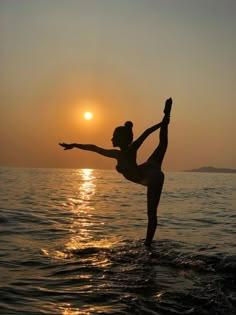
[{"x": 120, "y": 60}]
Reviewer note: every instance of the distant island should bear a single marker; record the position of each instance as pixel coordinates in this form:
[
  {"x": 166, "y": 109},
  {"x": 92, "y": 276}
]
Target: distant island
[{"x": 211, "y": 169}]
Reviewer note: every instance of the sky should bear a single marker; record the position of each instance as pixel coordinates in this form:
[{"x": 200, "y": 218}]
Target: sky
[{"x": 119, "y": 59}]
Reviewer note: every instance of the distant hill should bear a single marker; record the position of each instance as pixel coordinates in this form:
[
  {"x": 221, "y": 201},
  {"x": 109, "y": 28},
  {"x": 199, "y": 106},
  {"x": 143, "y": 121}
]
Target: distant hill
[{"x": 211, "y": 169}]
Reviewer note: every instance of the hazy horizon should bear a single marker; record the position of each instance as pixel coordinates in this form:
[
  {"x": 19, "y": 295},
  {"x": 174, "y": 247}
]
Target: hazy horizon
[
  {"x": 113, "y": 169},
  {"x": 120, "y": 60}
]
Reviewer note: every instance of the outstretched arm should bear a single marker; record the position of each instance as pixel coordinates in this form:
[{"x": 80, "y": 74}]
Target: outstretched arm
[{"x": 91, "y": 147}]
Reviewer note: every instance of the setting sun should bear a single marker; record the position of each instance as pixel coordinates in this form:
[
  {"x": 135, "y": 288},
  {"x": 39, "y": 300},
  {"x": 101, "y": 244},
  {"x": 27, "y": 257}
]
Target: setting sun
[{"x": 88, "y": 115}]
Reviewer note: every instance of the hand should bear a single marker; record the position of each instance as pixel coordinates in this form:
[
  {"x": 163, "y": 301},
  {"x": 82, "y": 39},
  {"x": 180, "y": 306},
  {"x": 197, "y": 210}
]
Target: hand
[{"x": 66, "y": 146}]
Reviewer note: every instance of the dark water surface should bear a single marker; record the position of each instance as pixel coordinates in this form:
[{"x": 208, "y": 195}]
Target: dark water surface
[{"x": 72, "y": 244}]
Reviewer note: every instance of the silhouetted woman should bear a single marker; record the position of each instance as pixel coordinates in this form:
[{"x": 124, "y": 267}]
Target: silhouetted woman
[{"x": 149, "y": 173}]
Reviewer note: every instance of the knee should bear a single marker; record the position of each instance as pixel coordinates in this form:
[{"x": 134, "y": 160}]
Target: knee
[
  {"x": 162, "y": 177},
  {"x": 157, "y": 180}
]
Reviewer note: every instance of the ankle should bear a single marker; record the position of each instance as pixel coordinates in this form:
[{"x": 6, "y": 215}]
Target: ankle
[{"x": 147, "y": 243}]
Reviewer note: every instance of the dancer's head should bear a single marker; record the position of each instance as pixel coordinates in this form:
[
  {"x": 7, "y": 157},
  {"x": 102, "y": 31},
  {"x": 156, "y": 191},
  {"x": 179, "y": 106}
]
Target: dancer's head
[{"x": 123, "y": 135}]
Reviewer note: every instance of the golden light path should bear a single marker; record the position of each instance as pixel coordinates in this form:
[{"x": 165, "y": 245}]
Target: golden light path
[
  {"x": 81, "y": 236},
  {"x": 83, "y": 207}
]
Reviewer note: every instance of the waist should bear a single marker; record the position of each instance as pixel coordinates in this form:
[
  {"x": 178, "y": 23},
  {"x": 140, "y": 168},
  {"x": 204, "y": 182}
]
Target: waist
[{"x": 132, "y": 173}]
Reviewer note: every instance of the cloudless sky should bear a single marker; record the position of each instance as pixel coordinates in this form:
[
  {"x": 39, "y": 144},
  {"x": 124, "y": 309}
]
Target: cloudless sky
[{"x": 119, "y": 59}]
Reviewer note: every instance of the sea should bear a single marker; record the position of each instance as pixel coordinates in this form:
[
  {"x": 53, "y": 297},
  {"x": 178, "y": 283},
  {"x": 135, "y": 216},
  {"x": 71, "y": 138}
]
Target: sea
[{"x": 72, "y": 244}]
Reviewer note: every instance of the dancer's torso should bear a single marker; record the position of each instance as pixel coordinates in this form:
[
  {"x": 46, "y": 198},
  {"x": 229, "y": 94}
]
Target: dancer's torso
[{"x": 142, "y": 174}]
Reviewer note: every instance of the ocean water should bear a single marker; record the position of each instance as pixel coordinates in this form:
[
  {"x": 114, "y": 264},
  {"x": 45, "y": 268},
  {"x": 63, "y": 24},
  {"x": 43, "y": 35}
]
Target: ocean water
[{"x": 72, "y": 244}]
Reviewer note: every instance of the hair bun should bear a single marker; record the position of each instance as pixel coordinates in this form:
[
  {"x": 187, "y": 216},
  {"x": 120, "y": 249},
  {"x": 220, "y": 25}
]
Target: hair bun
[{"x": 129, "y": 124}]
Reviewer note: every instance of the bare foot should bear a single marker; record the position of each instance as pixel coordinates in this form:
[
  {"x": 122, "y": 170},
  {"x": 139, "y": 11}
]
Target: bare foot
[{"x": 168, "y": 106}]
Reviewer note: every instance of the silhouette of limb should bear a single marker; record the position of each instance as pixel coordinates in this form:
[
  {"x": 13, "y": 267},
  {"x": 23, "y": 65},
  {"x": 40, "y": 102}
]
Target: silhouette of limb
[
  {"x": 153, "y": 197},
  {"x": 159, "y": 153}
]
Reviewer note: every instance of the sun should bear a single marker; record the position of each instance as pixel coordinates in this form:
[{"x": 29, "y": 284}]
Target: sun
[{"x": 88, "y": 115}]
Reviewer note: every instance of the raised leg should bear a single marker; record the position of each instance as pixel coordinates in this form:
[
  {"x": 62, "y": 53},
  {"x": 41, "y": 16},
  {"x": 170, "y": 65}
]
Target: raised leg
[
  {"x": 159, "y": 153},
  {"x": 153, "y": 197}
]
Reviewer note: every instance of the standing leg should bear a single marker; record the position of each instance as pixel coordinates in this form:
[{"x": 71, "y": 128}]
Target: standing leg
[
  {"x": 153, "y": 197},
  {"x": 155, "y": 187},
  {"x": 156, "y": 184}
]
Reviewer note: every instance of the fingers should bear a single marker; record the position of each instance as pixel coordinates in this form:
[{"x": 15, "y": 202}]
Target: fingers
[{"x": 64, "y": 145}]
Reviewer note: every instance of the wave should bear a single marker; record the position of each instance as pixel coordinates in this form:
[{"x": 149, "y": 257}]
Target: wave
[{"x": 170, "y": 278}]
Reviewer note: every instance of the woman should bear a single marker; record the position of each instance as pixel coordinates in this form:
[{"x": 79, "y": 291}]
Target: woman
[{"x": 149, "y": 173}]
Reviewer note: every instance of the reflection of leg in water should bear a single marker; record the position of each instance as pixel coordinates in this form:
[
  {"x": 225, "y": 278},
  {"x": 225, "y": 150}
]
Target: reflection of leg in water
[{"x": 153, "y": 197}]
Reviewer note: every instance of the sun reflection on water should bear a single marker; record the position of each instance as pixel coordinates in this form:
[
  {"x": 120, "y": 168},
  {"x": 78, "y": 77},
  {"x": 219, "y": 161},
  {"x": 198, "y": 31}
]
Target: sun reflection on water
[
  {"x": 86, "y": 225},
  {"x": 88, "y": 310},
  {"x": 86, "y": 241},
  {"x": 88, "y": 187},
  {"x": 82, "y": 207},
  {"x": 70, "y": 311}
]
